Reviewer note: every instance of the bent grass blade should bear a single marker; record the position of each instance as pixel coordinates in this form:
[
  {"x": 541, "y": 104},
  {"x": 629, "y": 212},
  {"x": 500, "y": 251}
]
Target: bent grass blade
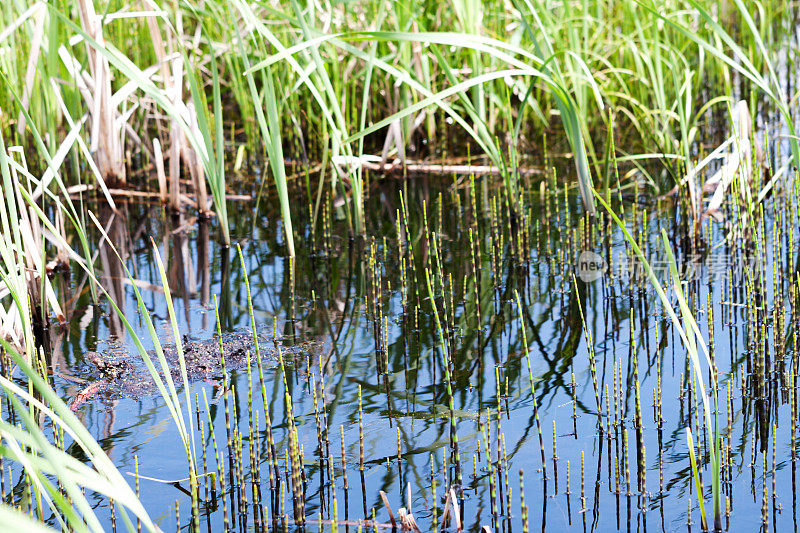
[{"x": 691, "y": 338}]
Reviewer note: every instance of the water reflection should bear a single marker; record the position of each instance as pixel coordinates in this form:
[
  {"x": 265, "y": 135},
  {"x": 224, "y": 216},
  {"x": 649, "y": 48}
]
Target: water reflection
[{"x": 366, "y": 302}]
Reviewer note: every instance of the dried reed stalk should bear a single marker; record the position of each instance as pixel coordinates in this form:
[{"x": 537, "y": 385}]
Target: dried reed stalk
[
  {"x": 180, "y": 150},
  {"x": 106, "y": 133}
]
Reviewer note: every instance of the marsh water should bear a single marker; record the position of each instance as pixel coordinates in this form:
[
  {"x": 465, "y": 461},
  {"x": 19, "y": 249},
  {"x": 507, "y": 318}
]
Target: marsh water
[{"x": 370, "y": 330}]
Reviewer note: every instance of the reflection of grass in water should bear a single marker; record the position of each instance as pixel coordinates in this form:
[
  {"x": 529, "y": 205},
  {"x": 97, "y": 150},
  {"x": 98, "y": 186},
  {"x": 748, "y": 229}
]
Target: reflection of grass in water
[
  {"x": 340, "y": 78},
  {"x": 156, "y": 430},
  {"x": 413, "y": 447},
  {"x": 691, "y": 337}
]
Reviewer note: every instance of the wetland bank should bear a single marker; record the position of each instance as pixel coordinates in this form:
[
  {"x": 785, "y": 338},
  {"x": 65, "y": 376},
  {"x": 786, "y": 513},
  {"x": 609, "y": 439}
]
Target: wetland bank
[{"x": 485, "y": 266}]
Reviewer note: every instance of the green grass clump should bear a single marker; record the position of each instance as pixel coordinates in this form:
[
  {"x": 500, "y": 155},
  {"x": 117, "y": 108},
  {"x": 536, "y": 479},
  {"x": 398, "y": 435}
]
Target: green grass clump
[{"x": 87, "y": 87}]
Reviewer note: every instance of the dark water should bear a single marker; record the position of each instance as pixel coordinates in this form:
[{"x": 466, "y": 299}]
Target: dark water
[{"x": 326, "y": 296}]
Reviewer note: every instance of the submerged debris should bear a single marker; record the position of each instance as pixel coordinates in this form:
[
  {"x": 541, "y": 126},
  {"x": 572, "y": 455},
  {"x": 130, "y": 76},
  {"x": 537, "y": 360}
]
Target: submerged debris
[{"x": 126, "y": 375}]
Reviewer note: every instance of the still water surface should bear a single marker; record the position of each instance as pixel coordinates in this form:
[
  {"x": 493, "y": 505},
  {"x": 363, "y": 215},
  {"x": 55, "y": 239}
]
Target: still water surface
[{"x": 322, "y": 303}]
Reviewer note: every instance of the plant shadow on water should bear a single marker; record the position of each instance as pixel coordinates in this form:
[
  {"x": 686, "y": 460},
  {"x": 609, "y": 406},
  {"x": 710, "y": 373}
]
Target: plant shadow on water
[{"x": 372, "y": 404}]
